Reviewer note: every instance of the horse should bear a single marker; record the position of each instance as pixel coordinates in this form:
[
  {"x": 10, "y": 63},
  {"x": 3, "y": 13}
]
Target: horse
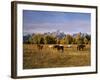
[
  {"x": 40, "y": 47},
  {"x": 80, "y": 47},
  {"x": 59, "y": 47},
  {"x": 50, "y": 46},
  {"x": 69, "y": 46}
]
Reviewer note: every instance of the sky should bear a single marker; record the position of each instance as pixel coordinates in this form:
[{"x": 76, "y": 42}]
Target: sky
[{"x": 50, "y": 21}]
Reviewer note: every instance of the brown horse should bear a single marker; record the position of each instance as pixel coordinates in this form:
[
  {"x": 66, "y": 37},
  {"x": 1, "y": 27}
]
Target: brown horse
[
  {"x": 80, "y": 47},
  {"x": 40, "y": 46},
  {"x": 59, "y": 47}
]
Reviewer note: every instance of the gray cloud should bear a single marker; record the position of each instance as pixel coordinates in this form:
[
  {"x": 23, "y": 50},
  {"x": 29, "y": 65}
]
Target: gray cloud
[{"x": 67, "y": 27}]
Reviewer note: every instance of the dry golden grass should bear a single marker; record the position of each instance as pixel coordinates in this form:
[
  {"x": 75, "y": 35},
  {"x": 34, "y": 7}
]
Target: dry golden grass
[{"x": 48, "y": 57}]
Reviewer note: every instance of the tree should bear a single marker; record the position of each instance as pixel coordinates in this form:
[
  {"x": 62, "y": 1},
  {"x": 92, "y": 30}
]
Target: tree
[
  {"x": 58, "y": 41},
  {"x": 42, "y": 40},
  {"x": 63, "y": 41},
  {"x": 30, "y": 40},
  {"x": 68, "y": 39},
  {"x": 79, "y": 38},
  {"x": 74, "y": 41},
  {"x": 50, "y": 39},
  {"x": 88, "y": 39},
  {"x": 37, "y": 39},
  {"x": 26, "y": 39}
]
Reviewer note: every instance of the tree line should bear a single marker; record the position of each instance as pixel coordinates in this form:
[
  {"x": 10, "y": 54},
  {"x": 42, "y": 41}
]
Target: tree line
[{"x": 79, "y": 38}]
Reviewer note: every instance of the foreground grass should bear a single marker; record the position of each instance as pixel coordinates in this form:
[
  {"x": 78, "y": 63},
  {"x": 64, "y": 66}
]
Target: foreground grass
[{"x": 48, "y": 58}]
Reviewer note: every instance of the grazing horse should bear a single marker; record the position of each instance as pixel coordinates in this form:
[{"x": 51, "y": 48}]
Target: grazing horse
[
  {"x": 50, "y": 46},
  {"x": 59, "y": 47},
  {"x": 69, "y": 46},
  {"x": 80, "y": 47},
  {"x": 40, "y": 47}
]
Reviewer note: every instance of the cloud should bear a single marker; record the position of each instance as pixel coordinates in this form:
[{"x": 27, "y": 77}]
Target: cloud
[{"x": 66, "y": 26}]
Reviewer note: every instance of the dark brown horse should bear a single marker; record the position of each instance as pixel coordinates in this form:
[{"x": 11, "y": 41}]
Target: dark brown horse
[
  {"x": 80, "y": 47},
  {"x": 59, "y": 47},
  {"x": 40, "y": 46}
]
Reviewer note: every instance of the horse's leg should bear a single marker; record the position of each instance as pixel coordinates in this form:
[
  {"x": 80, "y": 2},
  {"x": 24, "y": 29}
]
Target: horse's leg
[
  {"x": 62, "y": 49},
  {"x": 82, "y": 48},
  {"x": 77, "y": 48},
  {"x": 58, "y": 48}
]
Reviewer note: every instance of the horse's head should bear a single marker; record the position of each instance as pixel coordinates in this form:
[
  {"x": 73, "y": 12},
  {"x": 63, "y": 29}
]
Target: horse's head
[{"x": 84, "y": 45}]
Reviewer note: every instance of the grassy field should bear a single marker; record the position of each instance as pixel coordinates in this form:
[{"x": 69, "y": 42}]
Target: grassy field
[{"x": 48, "y": 57}]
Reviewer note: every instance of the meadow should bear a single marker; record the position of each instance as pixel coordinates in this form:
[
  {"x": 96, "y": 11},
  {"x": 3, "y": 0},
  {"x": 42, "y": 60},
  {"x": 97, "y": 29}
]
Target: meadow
[{"x": 51, "y": 58}]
